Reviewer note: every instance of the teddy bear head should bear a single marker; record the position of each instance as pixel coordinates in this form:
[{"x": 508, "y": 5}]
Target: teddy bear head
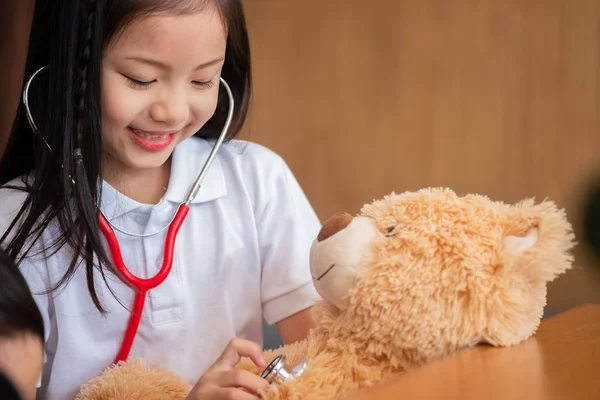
[{"x": 419, "y": 275}]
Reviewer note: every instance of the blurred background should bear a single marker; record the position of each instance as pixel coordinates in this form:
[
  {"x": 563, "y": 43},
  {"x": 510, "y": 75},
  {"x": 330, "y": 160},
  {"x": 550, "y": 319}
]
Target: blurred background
[
  {"x": 361, "y": 98},
  {"x": 500, "y": 98}
]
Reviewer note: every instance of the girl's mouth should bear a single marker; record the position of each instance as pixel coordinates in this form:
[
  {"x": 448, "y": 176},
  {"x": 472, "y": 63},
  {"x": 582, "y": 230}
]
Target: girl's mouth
[{"x": 152, "y": 140}]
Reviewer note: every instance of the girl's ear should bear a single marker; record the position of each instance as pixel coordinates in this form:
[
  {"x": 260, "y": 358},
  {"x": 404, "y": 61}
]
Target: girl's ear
[{"x": 537, "y": 242}]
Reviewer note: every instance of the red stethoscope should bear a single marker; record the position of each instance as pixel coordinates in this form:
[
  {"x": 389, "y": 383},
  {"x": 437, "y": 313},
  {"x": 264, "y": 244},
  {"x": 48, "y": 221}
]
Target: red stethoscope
[{"x": 143, "y": 285}]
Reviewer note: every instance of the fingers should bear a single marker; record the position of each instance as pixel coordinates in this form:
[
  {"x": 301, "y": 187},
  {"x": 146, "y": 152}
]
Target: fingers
[
  {"x": 235, "y": 350},
  {"x": 241, "y": 379},
  {"x": 224, "y": 381},
  {"x": 228, "y": 385}
]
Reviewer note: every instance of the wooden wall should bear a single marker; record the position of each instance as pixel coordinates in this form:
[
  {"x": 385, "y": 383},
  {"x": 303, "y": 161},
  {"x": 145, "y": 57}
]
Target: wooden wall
[
  {"x": 15, "y": 19},
  {"x": 496, "y": 97}
]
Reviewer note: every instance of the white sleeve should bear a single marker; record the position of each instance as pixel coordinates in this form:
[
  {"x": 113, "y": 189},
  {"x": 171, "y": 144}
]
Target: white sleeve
[{"x": 286, "y": 227}]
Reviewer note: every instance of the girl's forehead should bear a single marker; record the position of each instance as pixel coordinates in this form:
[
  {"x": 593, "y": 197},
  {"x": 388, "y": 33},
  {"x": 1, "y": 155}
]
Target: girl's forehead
[{"x": 203, "y": 29}]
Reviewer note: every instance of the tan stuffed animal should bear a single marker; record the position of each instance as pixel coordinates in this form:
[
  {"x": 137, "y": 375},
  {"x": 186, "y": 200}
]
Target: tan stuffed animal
[{"x": 413, "y": 278}]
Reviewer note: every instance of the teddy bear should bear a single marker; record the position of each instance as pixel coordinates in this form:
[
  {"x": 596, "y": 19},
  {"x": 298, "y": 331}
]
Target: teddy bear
[{"x": 412, "y": 278}]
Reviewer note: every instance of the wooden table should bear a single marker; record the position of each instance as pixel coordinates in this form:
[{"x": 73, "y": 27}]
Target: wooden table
[{"x": 561, "y": 361}]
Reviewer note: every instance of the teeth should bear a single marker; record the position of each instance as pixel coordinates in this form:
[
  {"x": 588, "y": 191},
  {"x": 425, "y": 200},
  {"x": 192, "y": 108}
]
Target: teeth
[{"x": 148, "y": 136}]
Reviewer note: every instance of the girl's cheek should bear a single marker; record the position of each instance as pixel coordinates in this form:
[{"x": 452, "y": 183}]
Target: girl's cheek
[
  {"x": 120, "y": 104},
  {"x": 206, "y": 106},
  {"x": 111, "y": 98}
]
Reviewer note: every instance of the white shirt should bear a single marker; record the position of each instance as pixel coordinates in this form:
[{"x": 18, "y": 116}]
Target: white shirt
[{"x": 240, "y": 256}]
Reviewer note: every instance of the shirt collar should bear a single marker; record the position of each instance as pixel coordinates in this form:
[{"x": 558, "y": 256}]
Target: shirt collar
[
  {"x": 188, "y": 160},
  {"x": 186, "y": 163}
]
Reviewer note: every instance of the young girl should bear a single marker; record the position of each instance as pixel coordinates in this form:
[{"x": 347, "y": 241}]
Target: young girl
[{"x": 130, "y": 106}]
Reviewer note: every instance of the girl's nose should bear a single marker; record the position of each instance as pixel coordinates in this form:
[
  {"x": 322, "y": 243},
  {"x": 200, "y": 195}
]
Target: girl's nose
[{"x": 173, "y": 110}]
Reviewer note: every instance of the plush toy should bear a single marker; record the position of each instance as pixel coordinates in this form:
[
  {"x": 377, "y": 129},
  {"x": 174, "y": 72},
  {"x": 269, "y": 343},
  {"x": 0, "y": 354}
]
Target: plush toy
[{"x": 412, "y": 278}]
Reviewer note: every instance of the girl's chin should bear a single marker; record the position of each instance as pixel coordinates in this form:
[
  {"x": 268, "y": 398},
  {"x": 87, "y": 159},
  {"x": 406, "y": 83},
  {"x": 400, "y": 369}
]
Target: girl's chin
[{"x": 135, "y": 160}]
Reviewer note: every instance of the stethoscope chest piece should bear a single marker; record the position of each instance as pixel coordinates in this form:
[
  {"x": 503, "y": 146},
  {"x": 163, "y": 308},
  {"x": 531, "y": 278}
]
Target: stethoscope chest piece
[{"x": 277, "y": 372}]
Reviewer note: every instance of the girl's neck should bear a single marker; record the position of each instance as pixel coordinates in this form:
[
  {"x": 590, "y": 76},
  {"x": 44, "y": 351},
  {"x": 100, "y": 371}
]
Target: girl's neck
[{"x": 146, "y": 186}]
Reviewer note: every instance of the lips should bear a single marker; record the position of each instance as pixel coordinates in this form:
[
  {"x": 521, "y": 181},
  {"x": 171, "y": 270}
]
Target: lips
[{"x": 152, "y": 140}]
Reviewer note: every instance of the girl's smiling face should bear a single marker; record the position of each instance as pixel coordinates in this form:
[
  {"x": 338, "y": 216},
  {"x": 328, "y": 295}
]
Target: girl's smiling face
[{"x": 160, "y": 84}]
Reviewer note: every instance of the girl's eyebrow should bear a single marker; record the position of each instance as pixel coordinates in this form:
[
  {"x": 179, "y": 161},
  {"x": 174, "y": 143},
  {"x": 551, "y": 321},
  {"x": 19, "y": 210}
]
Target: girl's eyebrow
[{"x": 164, "y": 66}]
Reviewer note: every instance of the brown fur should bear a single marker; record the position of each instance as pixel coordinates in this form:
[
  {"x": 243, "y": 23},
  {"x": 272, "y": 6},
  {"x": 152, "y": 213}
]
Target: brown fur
[
  {"x": 437, "y": 281},
  {"x": 333, "y": 225}
]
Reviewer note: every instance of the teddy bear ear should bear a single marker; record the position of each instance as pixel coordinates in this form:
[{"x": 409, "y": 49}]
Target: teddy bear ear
[
  {"x": 519, "y": 244},
  {"x": 537, "y": 241}
]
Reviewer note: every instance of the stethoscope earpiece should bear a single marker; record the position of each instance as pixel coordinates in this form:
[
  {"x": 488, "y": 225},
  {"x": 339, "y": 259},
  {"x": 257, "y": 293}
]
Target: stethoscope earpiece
[{"x": 277, "y": 372}]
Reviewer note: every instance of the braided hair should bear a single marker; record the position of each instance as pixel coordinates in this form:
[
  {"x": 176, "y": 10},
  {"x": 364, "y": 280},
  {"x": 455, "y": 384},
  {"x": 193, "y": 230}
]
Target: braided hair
[
  {"x": 88, "y": 8},
  {"x": 85, "y": 187}
]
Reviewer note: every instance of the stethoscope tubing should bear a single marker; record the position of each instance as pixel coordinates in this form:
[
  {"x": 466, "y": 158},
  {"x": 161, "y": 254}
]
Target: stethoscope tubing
[{"x": 141, "y": 285}]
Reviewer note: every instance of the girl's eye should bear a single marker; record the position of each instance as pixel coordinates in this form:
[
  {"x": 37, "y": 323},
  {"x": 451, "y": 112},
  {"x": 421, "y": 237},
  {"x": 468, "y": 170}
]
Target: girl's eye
[
  {"x": 203, "y": 85},
  {"x": 138, "y": 84},
  {"x": 145, "y": 85}
]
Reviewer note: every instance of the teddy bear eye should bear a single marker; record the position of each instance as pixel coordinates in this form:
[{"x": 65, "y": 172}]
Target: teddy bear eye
[{"x": 390, "y": 231}]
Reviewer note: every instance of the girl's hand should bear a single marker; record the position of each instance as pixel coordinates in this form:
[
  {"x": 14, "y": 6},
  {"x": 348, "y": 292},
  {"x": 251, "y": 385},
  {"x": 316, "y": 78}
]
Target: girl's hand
[{"x": 223, "y": 381}]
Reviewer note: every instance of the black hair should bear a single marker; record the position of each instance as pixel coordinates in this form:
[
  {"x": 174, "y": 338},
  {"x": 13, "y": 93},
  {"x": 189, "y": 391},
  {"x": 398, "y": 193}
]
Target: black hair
[
  {"x": 8, "y": 391},
  {"x": 18, "y": 311},
  {"x": 69, "y": 37}
]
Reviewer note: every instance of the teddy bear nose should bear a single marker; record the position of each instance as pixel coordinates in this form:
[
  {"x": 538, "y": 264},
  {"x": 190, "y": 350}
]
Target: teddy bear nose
[{"x": 334, "y": 224}]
